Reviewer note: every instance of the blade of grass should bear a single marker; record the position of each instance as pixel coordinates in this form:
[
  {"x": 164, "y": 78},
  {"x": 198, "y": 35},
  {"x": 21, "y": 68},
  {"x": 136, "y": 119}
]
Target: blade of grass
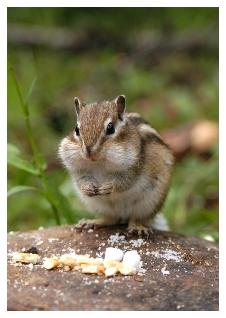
[
  {"x": 20, "y": 188},
  {"x": 14, "y": 159},
  {"x": 30, "y": 90}
]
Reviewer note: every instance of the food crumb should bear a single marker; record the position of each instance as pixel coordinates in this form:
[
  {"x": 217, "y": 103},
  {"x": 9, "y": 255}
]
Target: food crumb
[
  {"x": 137, "y": 243},
  {"x": 31, "y": 266},
  {"x": 168, "y": 254},
  {"x": 52, "y": 239},
  {"x": 208, "y": 238},
  {"x": 164, "y": 271},
  {"x": 180, "y": 306},
  {"x": 50, "y": 263},
  {"x": 39, "y": 243},
  {"x": 140, "y": 274},
  {"x": 25, "y": 258},
  {"x": 116, "y": 239}
]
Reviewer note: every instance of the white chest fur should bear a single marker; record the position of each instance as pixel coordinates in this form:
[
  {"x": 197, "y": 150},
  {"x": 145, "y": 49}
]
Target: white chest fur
[{"x": 136, "y": 201}]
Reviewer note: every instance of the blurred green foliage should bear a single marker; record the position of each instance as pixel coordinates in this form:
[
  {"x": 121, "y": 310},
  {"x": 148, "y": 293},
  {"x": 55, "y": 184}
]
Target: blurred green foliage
[{"x": 173, "y": 90}]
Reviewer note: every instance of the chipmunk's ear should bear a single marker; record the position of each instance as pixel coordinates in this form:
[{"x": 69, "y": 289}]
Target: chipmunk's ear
[
  {"x": 121, "y": 104},
  {"x": 78, "y": 105}
]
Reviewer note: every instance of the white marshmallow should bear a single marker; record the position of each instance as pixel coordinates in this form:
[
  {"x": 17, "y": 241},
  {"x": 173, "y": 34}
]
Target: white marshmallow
[
  {"x": 113, "y": 254},
  {"x": 132, "y": 259}
]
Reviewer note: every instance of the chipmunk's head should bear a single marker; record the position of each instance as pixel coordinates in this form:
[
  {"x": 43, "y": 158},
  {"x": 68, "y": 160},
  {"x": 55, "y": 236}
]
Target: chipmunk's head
[
  {"x": 102, "y": 133},
  {"x": 98, "y": 123}
]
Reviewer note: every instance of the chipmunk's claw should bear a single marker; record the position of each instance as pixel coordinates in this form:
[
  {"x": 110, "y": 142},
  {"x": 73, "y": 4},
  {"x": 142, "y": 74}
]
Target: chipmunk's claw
[
  {"x": 106, "y": 188},
  {"x": 93, "y": 223},
  {"x": 86, "y": 224},
  {"x": 90, "y": 190},
  {"x": 139, "y": 229}
]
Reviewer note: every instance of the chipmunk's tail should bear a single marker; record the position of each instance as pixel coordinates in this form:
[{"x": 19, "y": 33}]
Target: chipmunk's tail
[{"x": 160, "y": 223}]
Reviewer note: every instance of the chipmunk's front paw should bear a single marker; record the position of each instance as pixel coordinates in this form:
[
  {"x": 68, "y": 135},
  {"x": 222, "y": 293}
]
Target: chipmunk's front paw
[
  {"x": 105, "y": 188},
  {"x": 139, "y": 229},
  {"x": 89, "y": 189}
]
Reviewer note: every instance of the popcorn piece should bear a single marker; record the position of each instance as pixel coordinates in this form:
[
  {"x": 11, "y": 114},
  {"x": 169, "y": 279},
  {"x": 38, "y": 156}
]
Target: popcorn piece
[
  {"x": 110, "y": 271},
  {"x": 26, "y": 258},
  {"x": 164, "y": 271},
  {"x": 114, "y": 254},
  {"x": 132, "y": 259},
  {"x": 31, "y": 266},
  {"x": 101, "y": 269},
  {"x": 68, "y": 260},
  {"x": 110, "y": 263},
  {"x": 50, "y": 263},
  {"x": 89, "y": 260},
  {"x": 95, "y": 261},
  {"x": 83, "y": 259},
  {"x": 76, "y": 267},
  {"x": 126, "y": 270},
  {"x": 89, "y": 269},
  {"x": 67, "y": 268}
]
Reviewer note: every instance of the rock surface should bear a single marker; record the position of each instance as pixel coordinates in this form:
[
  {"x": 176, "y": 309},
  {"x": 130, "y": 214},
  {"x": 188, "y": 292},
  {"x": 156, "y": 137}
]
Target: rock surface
[{"x": 181, "y": 272}]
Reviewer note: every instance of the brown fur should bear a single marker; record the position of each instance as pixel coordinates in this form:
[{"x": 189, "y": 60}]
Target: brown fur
[{"x": 94, "y": 116}]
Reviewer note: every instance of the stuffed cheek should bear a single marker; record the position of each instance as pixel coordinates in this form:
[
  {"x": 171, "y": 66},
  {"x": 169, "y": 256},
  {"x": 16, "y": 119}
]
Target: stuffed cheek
[
  {"x": 69, "y": 153},
  {"x": 120, "y": 157}
]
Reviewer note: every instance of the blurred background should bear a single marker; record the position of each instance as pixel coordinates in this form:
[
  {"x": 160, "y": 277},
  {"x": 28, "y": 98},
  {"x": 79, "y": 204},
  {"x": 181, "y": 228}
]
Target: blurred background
[{"x": 165, "y": 60}]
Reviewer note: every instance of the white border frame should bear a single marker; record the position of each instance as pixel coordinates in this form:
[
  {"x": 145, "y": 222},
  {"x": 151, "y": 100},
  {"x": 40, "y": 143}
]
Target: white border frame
[{"x": 3, "y": 134}]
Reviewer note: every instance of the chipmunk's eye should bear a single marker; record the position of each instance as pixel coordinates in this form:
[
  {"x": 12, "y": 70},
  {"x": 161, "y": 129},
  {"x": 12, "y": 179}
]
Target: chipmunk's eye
[
  {"x": 110, "y": 129},
  {"x": 77, "y": 131}
]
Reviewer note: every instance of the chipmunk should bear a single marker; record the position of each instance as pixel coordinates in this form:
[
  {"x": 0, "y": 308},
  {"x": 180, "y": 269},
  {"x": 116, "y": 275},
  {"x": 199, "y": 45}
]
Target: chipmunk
[{"x": 120, "y": 166}]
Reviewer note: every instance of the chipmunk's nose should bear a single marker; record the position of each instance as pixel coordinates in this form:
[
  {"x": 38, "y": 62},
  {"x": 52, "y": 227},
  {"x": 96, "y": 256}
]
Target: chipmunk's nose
[{"x": 88, "y": 151}]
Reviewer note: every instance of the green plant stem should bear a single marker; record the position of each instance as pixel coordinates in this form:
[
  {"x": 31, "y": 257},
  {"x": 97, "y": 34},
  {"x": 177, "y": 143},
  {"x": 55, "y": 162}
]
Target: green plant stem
[
  {"x": 56, "y": 213},
  {"x": 38, "y": 158}
]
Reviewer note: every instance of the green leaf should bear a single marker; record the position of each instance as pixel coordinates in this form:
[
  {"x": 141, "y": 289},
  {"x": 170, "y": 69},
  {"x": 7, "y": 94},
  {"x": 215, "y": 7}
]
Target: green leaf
[
  {"x": 59, "y": 201},
  {"x": 30, "y": 90},
  {"x": 14, "y": 159},
  {"x": 13, "y": 149},
  {"x": 20, "y": 188}
]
